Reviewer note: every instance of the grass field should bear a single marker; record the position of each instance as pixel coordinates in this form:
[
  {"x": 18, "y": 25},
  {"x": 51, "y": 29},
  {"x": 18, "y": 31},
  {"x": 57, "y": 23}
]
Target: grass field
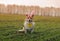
[{"x": 46, "y": 28}]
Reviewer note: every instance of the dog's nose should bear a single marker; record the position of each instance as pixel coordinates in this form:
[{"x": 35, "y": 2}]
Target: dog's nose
[{"x": 30, "y": 20}]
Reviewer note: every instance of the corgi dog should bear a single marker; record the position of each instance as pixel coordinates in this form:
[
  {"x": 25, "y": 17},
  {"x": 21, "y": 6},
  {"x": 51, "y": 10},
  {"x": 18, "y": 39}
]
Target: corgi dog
[{"x": 29, "y": 23}]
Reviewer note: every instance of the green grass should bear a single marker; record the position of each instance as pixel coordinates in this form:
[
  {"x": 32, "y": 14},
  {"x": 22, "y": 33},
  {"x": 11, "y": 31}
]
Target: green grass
[{"x": 46, "y": 28}]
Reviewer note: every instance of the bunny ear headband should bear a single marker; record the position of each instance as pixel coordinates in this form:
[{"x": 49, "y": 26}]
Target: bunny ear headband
[{"x": 30, "y": 15}]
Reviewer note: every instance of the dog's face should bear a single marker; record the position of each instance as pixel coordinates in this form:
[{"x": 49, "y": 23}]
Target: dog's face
[{"x": 29, "y": 18}]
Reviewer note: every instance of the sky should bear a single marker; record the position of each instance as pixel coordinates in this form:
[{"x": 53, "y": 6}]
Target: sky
[{"x": 41, "y": 3}]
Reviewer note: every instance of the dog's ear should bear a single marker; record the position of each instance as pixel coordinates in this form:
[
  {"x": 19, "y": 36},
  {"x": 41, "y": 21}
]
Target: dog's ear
[
  {"x": 32, "y": 15},
  {"x": 26, "y": 14}
]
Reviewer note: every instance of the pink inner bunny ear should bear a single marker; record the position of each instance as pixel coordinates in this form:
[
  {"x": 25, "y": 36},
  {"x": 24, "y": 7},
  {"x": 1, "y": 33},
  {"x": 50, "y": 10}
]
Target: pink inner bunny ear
[{"x": 32, "y": 13}]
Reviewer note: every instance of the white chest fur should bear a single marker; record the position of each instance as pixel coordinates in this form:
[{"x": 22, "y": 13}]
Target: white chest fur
[{"x": 28, "y": 25}]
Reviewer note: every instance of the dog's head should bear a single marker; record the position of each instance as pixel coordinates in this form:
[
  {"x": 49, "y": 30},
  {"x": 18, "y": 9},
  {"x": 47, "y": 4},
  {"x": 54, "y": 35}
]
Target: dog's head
[{"x": 30, "y": 16}]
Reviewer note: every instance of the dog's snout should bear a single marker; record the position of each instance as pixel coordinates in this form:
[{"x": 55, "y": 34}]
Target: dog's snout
[{"x": 30, "y": 20}]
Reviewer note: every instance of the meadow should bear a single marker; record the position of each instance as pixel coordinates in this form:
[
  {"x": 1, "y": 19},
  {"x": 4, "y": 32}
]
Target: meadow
[{"x": 46, "y": 28}]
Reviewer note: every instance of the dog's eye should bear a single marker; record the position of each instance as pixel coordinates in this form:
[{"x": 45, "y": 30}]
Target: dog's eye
[{"x": 27, "y": 17}]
